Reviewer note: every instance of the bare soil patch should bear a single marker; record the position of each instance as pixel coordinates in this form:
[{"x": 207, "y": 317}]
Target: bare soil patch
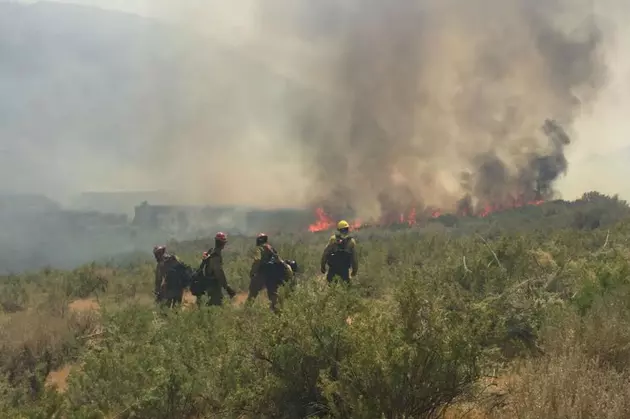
[
  {"x": 85, "y": 304},
  {"x": 59, "y": 378}
]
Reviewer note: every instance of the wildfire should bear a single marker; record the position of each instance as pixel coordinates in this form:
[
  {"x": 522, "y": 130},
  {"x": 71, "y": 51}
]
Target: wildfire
[
  {"x": 516, "y": 203},
  {"x": 326, "y": 222},
  {"x": 323, "y": 222}
]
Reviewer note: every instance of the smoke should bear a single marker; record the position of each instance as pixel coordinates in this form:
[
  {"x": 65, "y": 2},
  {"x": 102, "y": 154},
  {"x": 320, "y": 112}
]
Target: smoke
[
  {"x": 371, "y": 105},
  {"x": 94, "y": 100},
  {"x": 439, "y": 101},
  {"x": 602, "y": 143}
]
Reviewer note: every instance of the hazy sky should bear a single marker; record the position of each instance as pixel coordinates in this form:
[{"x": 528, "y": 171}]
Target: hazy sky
[
  {"x": 211, "y": 16},
  {"x": 597, "y": 163}
]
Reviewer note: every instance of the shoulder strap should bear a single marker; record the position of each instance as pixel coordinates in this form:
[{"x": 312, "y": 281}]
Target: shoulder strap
[
  {"x": 269, "y": 248},
  {"x": 342, "y": 242},
  {"x": 274, "y": 256},
  {"x": 205, "y": 261}
]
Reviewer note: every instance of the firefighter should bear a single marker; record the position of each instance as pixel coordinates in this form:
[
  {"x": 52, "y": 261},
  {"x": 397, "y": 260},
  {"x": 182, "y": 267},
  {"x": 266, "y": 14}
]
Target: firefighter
[
  {"x": 340, "y": 255},
  {"x": 171, "y": 277},
  {"x": 211, "y": 275},
  {"x": 268, "y": 270}
]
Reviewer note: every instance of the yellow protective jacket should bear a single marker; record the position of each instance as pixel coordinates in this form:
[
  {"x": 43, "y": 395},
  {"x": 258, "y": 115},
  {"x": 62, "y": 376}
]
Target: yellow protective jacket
[{"x": 351, "y": 248}]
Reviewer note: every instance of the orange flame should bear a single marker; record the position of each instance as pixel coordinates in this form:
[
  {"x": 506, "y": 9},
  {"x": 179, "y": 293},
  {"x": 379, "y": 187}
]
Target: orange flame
[
  {"x": 324, "y": 222},
  {"x": 516, "y": 203}
]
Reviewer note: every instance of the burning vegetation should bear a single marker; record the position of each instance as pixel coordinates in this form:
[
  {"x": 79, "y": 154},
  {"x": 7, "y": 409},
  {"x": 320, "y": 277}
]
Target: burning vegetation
[
  {"x": 532, "y": 187},
  {"x": 324, "y": 222},
  {"x": 438, "y": 109}
]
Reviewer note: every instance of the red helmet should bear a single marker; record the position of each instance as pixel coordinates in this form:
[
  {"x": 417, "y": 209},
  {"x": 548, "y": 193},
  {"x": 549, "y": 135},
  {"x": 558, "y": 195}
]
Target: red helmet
[{"x": 221, "y": 237}]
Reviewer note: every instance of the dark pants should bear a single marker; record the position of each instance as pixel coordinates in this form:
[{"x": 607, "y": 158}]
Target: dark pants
[
  {"x": 215, "y": 296},
  {"x": 212, "y": 289},
  {"x": 258, "y": 283},
  {"x": 344, "y": 274}
]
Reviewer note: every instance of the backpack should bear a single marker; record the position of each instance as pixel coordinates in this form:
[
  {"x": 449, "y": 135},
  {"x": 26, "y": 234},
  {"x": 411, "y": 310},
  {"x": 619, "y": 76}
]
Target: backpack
[
  {"x": 294, "y": 265},
  {"x": 340, "y": 257},
  {"x": 199, "y": 282},
  {"x": 290, "y": 270},
  {"x": 271, "y": 265},
  {"x": 178, "y": 274}
]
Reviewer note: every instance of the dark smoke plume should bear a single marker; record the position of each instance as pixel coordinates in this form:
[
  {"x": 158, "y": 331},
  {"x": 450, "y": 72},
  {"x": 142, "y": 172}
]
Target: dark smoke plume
[{"x": 443, "y": 102}]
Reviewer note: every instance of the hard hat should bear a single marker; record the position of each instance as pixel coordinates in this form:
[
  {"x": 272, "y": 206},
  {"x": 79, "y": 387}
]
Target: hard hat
[
  {"x": 221, "y": 237},
  {"x": 261, "y": 238},
  {"x": 343, "y": 224},
  {"x": 158, "y": 252}
]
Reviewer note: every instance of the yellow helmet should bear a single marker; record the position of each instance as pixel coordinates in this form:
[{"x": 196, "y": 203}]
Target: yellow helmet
[{"x": 342, "y": 224}]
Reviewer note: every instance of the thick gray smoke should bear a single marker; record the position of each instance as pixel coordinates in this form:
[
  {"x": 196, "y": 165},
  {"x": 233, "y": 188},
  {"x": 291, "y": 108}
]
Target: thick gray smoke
[
  {"x": 443, "y": 100},
  {"x": 372, "y": 104},
  {"x": 375, "y": 106}
]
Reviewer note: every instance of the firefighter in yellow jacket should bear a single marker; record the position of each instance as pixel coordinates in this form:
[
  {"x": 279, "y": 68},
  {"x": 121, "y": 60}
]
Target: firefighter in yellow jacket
[{"x": 340, "y": 255}]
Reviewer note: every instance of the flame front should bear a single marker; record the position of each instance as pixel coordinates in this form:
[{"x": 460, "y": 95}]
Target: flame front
[
  {"x": 516, "y": 203},
  {"x": 325, "y": 222}
]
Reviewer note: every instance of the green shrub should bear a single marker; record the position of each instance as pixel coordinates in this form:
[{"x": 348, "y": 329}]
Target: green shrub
[
  {"x": 584, "y": 372},
  {"x": 34, "y": 343},
  {"x": 328, "y": 353},
  {"x": 434, "y": 308}
]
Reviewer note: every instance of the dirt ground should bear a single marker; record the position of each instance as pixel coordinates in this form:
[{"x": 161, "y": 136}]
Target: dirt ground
[
  {"x": 84, "y": 305},
  {"x": 59, "y": 378}
]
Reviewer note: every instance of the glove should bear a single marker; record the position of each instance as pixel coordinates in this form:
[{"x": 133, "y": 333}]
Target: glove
[
  {"x": 230, "y": 292},
  {"x": 323, "y": 269}
]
